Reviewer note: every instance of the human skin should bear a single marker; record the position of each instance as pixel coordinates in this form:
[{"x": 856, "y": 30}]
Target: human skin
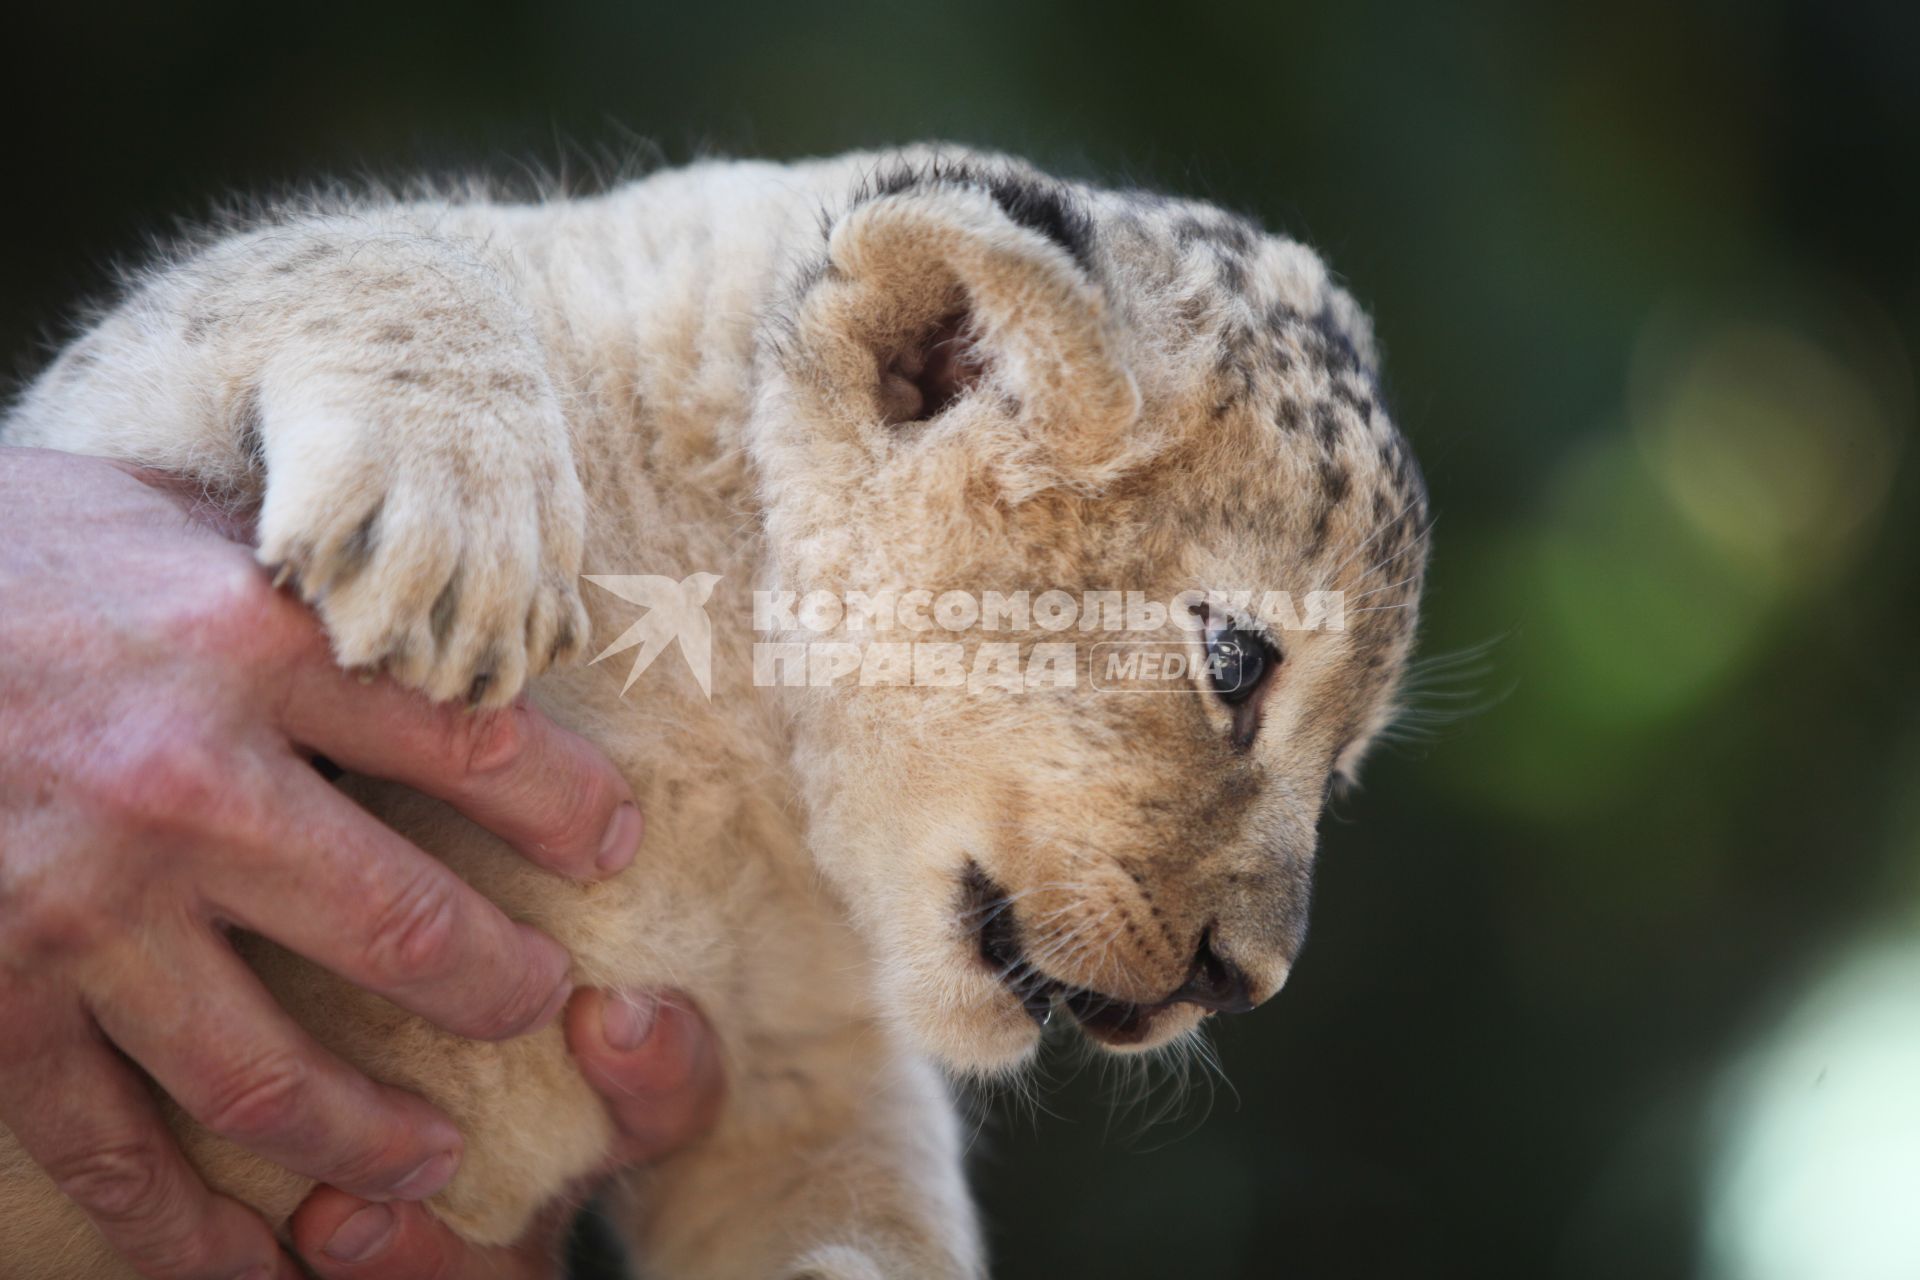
[{"x": 161, "y": 705}]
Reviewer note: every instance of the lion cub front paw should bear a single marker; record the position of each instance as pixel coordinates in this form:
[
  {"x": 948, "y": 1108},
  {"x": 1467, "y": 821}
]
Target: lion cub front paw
[{"x": 441, "y": 546}]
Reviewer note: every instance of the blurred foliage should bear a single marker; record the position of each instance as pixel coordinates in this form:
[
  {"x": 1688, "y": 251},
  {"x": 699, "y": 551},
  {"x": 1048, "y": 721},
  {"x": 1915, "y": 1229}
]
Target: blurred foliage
[{"x": 1646, "y": 278}]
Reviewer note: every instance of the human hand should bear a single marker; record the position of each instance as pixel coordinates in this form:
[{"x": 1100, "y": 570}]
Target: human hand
[
  {"x": 659, "y": 1074},
  {"x": 160, "y": 705}
]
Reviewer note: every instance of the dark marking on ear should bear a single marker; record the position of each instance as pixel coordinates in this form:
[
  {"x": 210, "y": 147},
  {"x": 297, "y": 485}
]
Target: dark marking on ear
[
  {"x": 895, "y": 179},
  {"x": 1048, "y": 208},
  {"x": 1036, "y": 202},
  {"x": 811, "y": 274}
]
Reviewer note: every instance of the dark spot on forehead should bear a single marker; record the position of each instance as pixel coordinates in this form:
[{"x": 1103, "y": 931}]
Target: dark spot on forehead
[
  {"x": 1317, "y": 540},
  {"x": 1326, "y": 421},
  {"x": 1334, "y": 481},
  {"x": 1221, "y": 230},
  {"x": 1341, "y": 350},
  {"x": 1348, "y": 392},
  {"x": 1282, "y": 341},
  {"x": 1231, "y": 272}
]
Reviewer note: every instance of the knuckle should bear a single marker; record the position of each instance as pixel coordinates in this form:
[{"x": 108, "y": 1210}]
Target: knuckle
[
  {"x": 164, "y": 777},
  {"x": 180, "y": 782},
  {"x": 45, "y": 915},
  {"x": 264, "y": 1099},
  {"x": 413, "y": 934},
  {"x": 121, "y": 1181}
]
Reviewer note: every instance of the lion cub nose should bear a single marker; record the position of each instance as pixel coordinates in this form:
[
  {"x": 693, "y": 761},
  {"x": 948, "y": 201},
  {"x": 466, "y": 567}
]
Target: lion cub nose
[{"x": 1214, "y": 983}]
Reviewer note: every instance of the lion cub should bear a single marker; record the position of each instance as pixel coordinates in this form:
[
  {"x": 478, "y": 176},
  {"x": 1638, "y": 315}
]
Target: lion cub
[{"x": 890, "y": 411}]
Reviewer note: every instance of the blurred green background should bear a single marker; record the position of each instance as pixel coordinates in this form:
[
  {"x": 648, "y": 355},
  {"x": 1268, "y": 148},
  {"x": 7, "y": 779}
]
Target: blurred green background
[{"x": 1617, "y": 974}]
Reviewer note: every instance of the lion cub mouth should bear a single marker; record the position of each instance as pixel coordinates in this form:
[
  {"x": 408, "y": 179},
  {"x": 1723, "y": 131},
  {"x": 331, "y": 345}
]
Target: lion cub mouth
[{"x": 988, "y": 911}]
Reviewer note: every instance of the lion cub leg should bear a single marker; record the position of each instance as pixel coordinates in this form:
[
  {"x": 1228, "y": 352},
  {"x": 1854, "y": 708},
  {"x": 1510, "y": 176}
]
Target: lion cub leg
[
  {"x": 377, "y": 385},
  {"x": 836, "y": 1160}
]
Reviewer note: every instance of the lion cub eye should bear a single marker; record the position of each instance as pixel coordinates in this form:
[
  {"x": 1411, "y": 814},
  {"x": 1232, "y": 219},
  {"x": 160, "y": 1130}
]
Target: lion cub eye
[{"x": 1238, "y": 662}]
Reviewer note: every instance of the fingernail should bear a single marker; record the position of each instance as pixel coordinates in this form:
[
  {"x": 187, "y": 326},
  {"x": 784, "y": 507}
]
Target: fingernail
[
  {"x": 362, "y": 1235},
  {"x": 625, "y": 1021},
  {"x": 427, "y": 1178},
  {"x": 622, "y": 840}
]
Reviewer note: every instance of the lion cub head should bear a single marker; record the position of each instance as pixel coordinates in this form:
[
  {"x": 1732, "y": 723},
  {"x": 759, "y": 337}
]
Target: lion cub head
[{"x": 1148, "y": 422}]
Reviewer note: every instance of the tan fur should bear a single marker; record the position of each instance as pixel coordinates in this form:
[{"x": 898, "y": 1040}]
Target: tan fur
[{"x": 685, "y": 376}]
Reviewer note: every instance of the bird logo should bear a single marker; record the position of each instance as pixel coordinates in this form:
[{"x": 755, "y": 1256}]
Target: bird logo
[{"x": 674, "y": 611}]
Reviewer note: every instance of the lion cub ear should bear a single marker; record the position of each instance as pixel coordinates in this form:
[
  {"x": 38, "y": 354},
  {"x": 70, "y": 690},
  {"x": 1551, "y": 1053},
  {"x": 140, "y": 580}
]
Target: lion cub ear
[{"x": 936, "y": 300}]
